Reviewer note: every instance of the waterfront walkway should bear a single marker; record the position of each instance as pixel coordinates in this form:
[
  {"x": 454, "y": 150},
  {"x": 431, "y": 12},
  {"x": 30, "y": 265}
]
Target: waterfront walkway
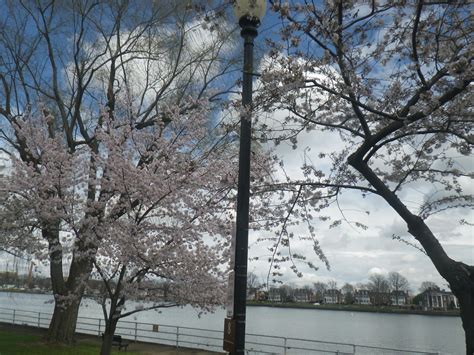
[{"x": 140, "y": 347}]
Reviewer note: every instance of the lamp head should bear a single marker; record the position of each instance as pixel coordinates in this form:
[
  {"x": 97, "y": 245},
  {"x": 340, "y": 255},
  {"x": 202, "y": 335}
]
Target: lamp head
[{"x": 250, "y": 10}]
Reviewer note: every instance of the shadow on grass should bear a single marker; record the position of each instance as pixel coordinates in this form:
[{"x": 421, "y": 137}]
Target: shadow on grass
[{"x": 12, "y": 343}]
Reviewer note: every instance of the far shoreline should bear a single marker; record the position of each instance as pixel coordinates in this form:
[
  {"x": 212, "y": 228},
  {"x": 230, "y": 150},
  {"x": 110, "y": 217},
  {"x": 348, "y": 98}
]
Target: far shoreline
[
  {"x": 355, "y": 308},
  {"x": 296, "y": 305}
]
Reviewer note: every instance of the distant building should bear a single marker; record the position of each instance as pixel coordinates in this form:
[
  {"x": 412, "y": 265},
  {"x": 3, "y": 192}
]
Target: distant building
[
  {"x": 362, "y": 297},
  {"x": 303, "y": 295},
  {"x": 332, "y": 296},
  {"x": 436, "y": 299},
  {"x": 274, "y": 295},
  {"x": 380, "y": 298},
  {"x": 398, "y": 298}
]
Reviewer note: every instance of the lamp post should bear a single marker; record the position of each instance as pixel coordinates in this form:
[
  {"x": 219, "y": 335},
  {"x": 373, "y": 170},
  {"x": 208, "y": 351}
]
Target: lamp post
[{"x": 249, "y": 13}]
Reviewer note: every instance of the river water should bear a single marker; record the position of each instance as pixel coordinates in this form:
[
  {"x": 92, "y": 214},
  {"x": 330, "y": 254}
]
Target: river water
[{"x": 442, "y": 334}]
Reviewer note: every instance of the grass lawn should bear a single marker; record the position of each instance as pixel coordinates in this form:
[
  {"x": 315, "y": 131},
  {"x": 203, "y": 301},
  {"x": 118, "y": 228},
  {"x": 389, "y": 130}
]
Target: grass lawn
[{"x": 12, "y": 343}]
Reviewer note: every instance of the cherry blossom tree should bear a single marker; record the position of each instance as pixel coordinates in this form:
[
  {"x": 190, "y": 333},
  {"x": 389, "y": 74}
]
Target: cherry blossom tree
[
  {"x": 392, "y": 81},
  {"x": 174, "y": 236},
  {"x": 74, "y": 76},
  {"x": 182, "y": 277},
  {"x": 111, "y": 114}
]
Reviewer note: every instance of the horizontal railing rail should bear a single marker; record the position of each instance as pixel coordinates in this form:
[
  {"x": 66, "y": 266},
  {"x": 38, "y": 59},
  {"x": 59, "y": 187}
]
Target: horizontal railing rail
[{"x": 208, "y": 339}]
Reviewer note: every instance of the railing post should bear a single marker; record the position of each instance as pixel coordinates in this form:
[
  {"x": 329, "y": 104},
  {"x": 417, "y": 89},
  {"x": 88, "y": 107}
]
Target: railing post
[
  {"x": 177, "y": 337},
  {"x": 14, "y": 316},
  {"x": 353, "y": 348},
  {"x": 284, "y": 344},
  {"x": 39, "y": 319},
  {"x": 100, "y": 323},
  {"x": 136, "y": 332}
]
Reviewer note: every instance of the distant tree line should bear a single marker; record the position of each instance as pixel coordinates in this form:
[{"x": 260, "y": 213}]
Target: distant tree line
[
  {"x": 393, "y": 289},
  {"x": 10, "y": 279},
  {"x": 95, "y": 288},
  {"x": 381, "y": 289}
]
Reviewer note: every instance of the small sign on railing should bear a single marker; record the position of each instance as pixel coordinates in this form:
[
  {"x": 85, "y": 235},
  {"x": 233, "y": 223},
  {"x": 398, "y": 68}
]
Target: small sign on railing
[{"x": 156, "y": 328}]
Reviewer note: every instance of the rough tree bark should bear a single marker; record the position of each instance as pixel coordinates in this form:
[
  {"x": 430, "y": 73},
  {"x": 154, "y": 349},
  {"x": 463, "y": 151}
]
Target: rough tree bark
[
  {"x": 67, "y": 293},
  {"x": 63, "y": 323},
  {"x": 116, "y": 304},
  {"x": 465, "y": 294},
  {"x": 108, "y": 336},
  {"x": 67, "y": 301}
]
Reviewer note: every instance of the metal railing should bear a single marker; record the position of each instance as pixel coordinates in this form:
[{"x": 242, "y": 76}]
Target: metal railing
[{"x": 207, "y": 339}]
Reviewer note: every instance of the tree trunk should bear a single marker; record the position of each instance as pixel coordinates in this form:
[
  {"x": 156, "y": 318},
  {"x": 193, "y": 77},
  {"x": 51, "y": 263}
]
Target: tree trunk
[
  {"x": 67, "y": 297},
  {"x": 67, "y": 294},
  {"x": 467, "y": 315},
  {"x": 459, "y": 275},
  {"x": 110, "y": 327},
  {"x": 66, "y": 301},
  {"x": 111, "y": 322},
  {"x": 463, "y": 289},
  {"x": 63, "y": 324}
]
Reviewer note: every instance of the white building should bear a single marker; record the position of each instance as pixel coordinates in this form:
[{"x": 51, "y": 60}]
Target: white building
[
  {"x": 274, "y": 295},
  {"x": 362, "y": 297},
  {"x": 398, "y": 298},
  {"x": 332, "y": 296},
  {"x": 439, "y": 299}
]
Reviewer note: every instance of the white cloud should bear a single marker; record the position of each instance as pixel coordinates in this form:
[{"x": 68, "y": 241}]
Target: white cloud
[{"x": 378, "y": 270}]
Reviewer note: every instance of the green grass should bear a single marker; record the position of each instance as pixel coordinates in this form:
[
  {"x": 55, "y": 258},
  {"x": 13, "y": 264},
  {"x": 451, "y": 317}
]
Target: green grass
[{"x": 12, "y": 343}]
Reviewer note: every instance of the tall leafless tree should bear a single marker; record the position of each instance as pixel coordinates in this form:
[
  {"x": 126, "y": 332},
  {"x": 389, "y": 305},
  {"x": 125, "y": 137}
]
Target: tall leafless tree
[
  {"x": 379, "y": 287},
  {"x": 397, "y": 283}
]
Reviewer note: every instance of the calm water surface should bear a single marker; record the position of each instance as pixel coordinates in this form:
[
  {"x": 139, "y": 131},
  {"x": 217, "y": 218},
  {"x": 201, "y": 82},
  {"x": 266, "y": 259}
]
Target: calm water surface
[{"x": 436, "y": 333}]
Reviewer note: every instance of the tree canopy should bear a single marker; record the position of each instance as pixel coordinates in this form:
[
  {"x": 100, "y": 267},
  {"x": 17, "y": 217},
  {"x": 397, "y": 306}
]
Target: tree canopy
[{"x": 108, "y": 115}]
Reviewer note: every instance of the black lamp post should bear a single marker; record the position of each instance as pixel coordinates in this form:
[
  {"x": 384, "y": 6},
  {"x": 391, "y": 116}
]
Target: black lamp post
[{"x": 249, "y": 13}]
